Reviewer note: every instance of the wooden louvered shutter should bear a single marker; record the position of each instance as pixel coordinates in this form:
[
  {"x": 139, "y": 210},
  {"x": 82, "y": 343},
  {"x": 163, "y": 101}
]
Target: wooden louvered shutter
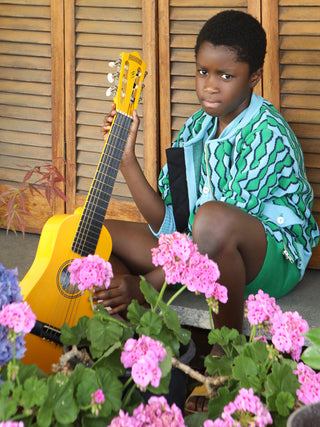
[
  {"x": 25, "y": 95},
  {"x": 299, "y": 43},
  {"x": 179, "y": 24},
  {"x": 102, "y": 30}
]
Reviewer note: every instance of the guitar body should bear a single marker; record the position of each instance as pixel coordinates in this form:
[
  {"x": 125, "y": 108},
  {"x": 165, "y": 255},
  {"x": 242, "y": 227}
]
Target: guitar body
[{"x": 45, "y": 287}]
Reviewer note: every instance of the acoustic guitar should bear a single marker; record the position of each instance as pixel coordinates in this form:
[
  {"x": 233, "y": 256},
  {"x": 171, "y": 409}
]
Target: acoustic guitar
[{"x": 46, "y": 286}]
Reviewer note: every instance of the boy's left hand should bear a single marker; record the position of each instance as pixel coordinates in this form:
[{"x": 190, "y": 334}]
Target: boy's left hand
[{"x": 122, "y": 290}]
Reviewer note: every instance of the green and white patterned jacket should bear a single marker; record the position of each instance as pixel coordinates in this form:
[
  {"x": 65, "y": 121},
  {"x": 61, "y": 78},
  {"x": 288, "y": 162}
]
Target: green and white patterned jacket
[{"x": 256, "y": 164}]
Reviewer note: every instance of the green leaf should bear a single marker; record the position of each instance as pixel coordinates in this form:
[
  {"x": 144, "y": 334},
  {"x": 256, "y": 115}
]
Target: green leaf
[
  {"x": 150, "y": 293},
  {"x": 89, "y": 384},
  {"x": 74, "y": 335},
  {"x": 34, "y": 394},
  {"x": 314, "y": 336},
  {"x": 184, "y": 336},
  {"x": 135, "y": 312},
  {"x": 44, "y": 417},
  {"x": 221, "y": 365},
  {"x": 311, "y": 357},
  {"x": 170, "y": 317},
  {"x": 281, "y": 379},
  {"x": 151, "y": 324},
  {"x": 216, "y": 405},
  {"x": 112, "y": 388},
  {"x": 65, "y": 408},
  {"x": 284, "y": 403},
  {"x": 102, "y": 334},
  {"x": 245, "y": 371},
  {"x": 8, "y": 408},
  {"x": 196, "y": 420}
]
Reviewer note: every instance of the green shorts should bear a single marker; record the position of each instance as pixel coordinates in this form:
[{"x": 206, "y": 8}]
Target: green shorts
[{"x": 278, "y": 275}]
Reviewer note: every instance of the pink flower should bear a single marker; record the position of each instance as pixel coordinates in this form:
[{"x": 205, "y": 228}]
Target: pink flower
[
  {"x": 309, "y": 391},
  {"x": 183, "y": 263},
  {"x": 97, "y": 399},
  {"x": 98, "y": 396},
  {"x": 18, "y": 316},
  {"x": 156, "y": 412},
  {"x": 287, "y": 329},
  {"x": 143, "y": 357},
  {"x": 260, "y": 308},
  {"x": 12, "y": 424},
  {"x": 89, "y": 272},
  {"x": 247, "y": 409}
]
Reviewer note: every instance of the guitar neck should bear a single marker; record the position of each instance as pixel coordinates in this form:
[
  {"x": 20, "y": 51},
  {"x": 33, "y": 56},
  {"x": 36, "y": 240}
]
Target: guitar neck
[{"x": 100, "y": 192}]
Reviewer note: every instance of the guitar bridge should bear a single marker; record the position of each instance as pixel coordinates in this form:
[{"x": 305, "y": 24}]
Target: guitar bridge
[{"x": 47, "y": 332}]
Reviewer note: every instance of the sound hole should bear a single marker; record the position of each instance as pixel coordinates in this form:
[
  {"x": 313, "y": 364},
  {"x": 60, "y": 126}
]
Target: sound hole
[{"x": 63, "y": 282}]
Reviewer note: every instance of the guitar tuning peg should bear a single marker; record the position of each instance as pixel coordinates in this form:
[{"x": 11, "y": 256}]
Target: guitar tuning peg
[
  {"x": 112, "y": 76},
  {"x": 113, "y": 64},
  {"x": 110, "y": 91}
]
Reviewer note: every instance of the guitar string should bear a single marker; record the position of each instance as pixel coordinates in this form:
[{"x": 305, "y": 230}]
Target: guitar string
[{"x": 112, "y": 151}]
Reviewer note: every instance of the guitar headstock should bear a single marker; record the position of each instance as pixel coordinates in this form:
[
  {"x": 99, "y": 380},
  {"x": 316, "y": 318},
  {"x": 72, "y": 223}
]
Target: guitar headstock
[{"x": 130, "y": 75}]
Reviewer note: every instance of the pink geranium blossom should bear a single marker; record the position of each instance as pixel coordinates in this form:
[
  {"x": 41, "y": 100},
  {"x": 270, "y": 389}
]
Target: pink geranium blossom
[
  {"x": 260, "y": 309},
  {"x": 246, "y": 409},
  {"x": 287, "y": 329},
  {"x": 183, "y": 263},
  {"x": 18, "y": 316},
  {"x": 157, "y": 412},
  {"x": 309, "y": 391},
  {"x": 97, "y": 399},
  {"x": 89, "y": 272},
  {"x": 12, "y": 424},
  {"x": 143, "y": 357}
]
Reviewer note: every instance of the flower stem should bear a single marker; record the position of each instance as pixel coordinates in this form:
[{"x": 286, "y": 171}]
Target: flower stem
[
  {"x": 210, "y": 318},
  {"x": 128, "y": 395},
  {"x": 253, "y": 333},
  {"x": 165, "y": 284},
  {"x": 174, "y": 296},
  {"x": 91, "y": 302}
]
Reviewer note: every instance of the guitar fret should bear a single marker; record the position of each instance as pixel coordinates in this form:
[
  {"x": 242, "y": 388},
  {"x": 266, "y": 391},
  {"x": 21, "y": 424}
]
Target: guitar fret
[{"x": 97, "y": 202}]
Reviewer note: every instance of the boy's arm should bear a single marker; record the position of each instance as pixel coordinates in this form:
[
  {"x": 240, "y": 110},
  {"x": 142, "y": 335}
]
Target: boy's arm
[{"x": 148, "y": 201}]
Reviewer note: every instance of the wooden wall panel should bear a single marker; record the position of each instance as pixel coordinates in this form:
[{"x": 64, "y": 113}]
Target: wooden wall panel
[
  {"x": 179, "y": 24},
  {"x": 25, "y": 96},
  {"x": 102, "y": 31},
  {"x": 25, "y": 87},
  {"x": 299, "y": 52}
]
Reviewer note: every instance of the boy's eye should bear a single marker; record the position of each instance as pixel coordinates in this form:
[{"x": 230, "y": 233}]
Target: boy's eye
[
  {"x": 225, "y": 76},
  {"x": 203, "y": 72}
]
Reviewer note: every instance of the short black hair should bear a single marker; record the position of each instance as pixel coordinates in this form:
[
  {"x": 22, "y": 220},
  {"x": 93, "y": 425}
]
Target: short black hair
[{"x": 239, "y": 31}]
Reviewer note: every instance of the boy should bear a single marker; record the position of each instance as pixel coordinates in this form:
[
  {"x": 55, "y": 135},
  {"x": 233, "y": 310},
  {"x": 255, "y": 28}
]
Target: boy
[{"x": 247, "y": 202}]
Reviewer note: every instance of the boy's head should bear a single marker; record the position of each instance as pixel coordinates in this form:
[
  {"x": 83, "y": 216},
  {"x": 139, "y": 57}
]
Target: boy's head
[{"x": 239, "y": 31}]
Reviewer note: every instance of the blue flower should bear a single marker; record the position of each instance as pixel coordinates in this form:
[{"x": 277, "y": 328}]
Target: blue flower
[
  {"x": 9, "y": 286},
  {"x": 9, "y": 292}
]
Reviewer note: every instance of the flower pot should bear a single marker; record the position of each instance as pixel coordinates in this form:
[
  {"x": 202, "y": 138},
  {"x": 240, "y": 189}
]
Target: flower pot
[{"x": 307, "y": 416}]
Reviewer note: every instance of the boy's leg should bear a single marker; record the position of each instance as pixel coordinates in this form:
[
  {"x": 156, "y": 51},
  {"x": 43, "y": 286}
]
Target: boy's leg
[
  {"x": 131, "y": 244},
  {"x": 236, "y": 241},
  {"x": 131, "y": 257}
]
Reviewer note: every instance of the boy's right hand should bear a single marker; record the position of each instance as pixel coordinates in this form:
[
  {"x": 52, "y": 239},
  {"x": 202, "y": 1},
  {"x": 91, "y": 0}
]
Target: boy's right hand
[
  {"x": 129, "y": 151},
  {"x": 105, "y": 129}
]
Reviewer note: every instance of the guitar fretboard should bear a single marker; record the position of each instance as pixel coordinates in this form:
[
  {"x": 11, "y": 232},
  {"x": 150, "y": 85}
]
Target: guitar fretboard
[{"x": 97, "y": 202}]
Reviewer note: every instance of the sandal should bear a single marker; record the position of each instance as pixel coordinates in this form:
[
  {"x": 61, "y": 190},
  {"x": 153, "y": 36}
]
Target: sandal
[{"x": 197, "y": 401}]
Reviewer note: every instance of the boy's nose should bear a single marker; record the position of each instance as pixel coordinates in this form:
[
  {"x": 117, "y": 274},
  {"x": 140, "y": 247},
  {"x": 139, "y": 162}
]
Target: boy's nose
[{"x": 211, "y": 84}]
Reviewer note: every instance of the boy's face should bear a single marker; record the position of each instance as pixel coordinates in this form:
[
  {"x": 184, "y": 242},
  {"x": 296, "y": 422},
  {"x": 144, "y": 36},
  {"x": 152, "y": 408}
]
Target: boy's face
[{"x": 223, "y": 83}]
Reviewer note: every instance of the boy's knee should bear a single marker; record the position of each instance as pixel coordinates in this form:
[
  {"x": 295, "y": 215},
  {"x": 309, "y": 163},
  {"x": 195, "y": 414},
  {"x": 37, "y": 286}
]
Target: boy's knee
[{"x": 213, "y": 222}]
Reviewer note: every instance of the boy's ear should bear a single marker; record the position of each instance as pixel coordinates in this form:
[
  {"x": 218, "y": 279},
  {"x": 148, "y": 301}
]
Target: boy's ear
[{"x": 256, "y": 77}]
